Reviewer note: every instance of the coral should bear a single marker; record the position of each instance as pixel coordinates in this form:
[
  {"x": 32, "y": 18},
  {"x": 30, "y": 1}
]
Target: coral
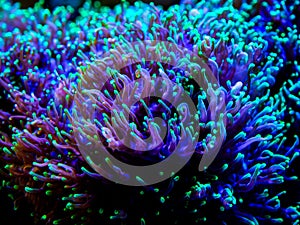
[{"x": 251, "y": 47}]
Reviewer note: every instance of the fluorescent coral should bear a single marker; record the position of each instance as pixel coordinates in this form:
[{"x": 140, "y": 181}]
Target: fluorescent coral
[{"x": 251, "y": 48}]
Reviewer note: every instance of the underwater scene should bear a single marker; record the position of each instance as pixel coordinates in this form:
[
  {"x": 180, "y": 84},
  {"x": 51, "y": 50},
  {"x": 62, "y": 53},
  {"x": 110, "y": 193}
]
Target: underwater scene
[{"x": 149, "y": 113}]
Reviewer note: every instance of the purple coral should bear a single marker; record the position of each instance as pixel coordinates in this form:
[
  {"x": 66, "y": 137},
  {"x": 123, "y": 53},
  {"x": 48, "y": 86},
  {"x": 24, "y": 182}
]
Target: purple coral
[{"x": 254, "y": 177}]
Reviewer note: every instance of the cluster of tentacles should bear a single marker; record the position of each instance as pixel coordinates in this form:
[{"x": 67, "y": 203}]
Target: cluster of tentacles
[{"x": 251, "y": 48}]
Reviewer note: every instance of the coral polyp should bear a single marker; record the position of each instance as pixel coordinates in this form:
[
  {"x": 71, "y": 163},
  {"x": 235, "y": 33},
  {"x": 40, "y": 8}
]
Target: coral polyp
[{"x": 49, "y": 58}]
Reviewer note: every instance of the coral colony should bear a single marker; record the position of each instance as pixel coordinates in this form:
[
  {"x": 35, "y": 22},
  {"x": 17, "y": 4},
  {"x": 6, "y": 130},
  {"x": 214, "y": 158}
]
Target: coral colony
[{"x": 252, "y": 49}]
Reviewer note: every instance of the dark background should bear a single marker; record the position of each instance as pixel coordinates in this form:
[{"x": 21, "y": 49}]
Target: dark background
[{"x": 9, "y": 216}]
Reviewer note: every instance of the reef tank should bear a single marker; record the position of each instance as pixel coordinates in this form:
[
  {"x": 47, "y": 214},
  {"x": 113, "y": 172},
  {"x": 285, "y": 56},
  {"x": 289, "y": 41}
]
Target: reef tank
[{"x": 144, "y": 113}]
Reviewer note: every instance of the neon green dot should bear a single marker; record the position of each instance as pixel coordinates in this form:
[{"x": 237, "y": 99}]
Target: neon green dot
[{"x": 55, "y": 222}]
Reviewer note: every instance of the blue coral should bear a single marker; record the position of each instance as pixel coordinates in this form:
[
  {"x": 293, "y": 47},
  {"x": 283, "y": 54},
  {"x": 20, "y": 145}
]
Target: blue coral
[{"x": 252, "y": 49}]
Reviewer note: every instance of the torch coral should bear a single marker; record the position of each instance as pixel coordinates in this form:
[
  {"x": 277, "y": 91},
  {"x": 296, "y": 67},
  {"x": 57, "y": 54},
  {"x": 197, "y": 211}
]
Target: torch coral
[{"x": 251, "y": 49}]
